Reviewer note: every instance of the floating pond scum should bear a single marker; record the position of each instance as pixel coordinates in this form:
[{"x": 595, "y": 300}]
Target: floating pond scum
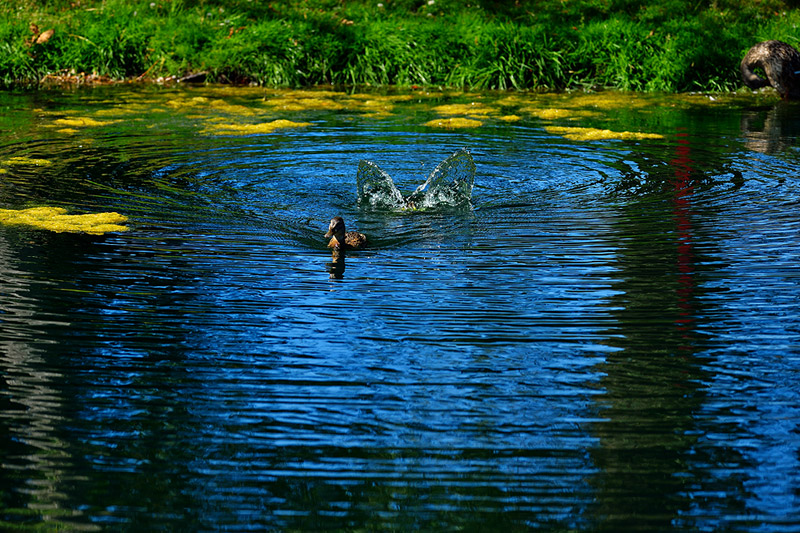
[
  {"x": 250, "y": 129},
  {"x": 452, "y": 123},
  {"x": 596, "y": 134},
  {"x": 56, "y": 219},
  {"x": 27, "y": 161}
]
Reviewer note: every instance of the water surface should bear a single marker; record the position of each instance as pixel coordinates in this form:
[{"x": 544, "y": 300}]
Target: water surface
[{"x": 607, "y": 339}]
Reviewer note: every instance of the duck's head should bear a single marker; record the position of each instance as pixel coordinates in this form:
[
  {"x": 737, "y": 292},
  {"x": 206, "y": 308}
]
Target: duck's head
[{"x": 336, "y": 230}]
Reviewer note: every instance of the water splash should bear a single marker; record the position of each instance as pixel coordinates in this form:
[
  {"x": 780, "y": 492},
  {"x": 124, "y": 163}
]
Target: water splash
[
  {"x": 449, "y": 185},
  {"x": 376, "y": 188}
]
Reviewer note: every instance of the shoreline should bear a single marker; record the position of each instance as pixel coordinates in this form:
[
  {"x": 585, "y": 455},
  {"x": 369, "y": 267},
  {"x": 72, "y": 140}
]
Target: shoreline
[
  {"x": 682, "y": 47},
  {"x": 83, "y": 80}
]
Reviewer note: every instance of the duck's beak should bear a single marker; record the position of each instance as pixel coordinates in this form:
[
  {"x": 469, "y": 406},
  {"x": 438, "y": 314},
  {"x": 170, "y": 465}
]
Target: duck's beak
[{"x": 329, "y": 234}]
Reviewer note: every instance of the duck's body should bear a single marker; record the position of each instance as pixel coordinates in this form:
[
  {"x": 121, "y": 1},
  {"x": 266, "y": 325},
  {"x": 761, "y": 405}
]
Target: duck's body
[
  {"x": 340, "y": 238},
  {"x": 781, "y": 65}
]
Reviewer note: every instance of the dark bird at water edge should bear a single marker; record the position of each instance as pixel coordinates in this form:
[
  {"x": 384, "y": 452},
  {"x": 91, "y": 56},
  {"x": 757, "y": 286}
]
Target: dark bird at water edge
[{"x": 781, "y": 65}]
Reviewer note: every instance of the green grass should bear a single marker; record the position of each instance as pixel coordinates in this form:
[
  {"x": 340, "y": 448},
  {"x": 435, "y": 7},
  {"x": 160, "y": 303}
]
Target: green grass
[{"x": 675, "y": 45}]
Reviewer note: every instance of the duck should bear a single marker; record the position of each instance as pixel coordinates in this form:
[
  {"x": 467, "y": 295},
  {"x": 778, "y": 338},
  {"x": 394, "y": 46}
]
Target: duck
[
  {"x": 781, "y": 65},
  {"x": 340, "y": 238}
]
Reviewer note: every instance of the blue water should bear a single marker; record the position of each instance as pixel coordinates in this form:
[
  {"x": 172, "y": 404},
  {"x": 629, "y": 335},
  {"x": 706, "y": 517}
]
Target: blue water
[{"x": 607, "y": 339}]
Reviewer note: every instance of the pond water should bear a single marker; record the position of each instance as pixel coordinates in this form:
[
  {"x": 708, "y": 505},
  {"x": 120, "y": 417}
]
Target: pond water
[{"x": 607, "y": 337}]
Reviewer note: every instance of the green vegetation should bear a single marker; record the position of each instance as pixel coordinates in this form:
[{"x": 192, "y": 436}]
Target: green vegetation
[{"x": 674, "y": 45}]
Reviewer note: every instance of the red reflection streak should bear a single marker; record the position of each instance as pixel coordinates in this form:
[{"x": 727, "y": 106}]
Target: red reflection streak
[{"x": 683, "y": 210}]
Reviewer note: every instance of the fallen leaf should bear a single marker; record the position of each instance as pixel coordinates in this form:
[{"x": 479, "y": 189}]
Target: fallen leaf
[{"x": 44, "y": 36}]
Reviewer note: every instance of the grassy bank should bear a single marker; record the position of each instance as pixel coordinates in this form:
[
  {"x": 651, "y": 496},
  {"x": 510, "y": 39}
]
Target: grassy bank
[{"x": 677, "y": 45}]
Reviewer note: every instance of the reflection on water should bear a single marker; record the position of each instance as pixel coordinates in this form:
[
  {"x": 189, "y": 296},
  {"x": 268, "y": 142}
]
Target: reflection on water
[
  {"x": 772, "y": 129},
  {"x": 605, "y": 340},
  {"x": 336, "y": 266}
]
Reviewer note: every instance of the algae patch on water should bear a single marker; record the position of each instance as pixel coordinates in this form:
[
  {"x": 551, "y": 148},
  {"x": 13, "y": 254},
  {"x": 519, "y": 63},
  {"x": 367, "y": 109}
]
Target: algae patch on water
[
  {"x": 27, "y": 161},
  {"x": 305, "y": 104},
  {"x": 550, "y": 113},
  {"x": 56, "y": 219},
  {"x": 595, "y": 134},
  {"x": 81, "y": 122},
  {"x": 184, "y": 102},
  {"x": 250, "y": 129},
  {"x": 453, "y": 123},
  {"x": 473, "y": 109},
  {"x": 208, "y": 106},
  {"x": 70, "y": 124},
  {"x": 376, "y": 105}
]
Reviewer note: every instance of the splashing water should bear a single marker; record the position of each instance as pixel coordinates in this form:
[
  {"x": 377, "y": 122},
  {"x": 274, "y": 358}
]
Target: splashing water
[
  {"x": 376, "y": 188},
  {"x": 449, "y": 185}
]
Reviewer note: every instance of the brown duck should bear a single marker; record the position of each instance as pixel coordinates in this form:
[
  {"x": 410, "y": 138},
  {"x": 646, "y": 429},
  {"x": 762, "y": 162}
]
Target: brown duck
[
  {"x": 781, "y": 65},
  {"x": 340, "y": 238}
]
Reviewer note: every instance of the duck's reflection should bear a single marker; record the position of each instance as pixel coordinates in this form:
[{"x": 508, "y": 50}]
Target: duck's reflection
[
  {"x": 771, "y": 130},
  {"x": 336, "y": 265}
]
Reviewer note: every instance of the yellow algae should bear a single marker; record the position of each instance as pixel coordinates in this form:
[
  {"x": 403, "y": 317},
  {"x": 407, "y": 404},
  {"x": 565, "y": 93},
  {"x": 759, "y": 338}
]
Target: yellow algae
[
  {"x": 555, "y": 113},
  {"x": 123, "y": 110},
  {"x": 249, "y": 129},
  {"x": 114, "y": 112},
  {"x": 233, "y": 109},
  {"x": 457, "y": 93},
  {"x": 187, "y": 102},
  {"x": 291, "y": 103},
  {"x": 67, "y": 131},
  {"x": 381, "y": 97},
  {"x": 295, "y": 93},
  {"x": 453, "y": 123},
  {"x": 28, "y": 161},
  {"x": 511, "y": 101},
  {"x": 56, "y": 219},
  {"x": 335, "y": 101},
  {"x": 58, "y": 112},
  {"x": 374, "y": 103},
  {"x": 3, "y": 171},
  {"x": 83, "y": 122},
  {"x": 510, "y": 118},
  {"x": 610, "y": 100},
  {"x": 550, "y": 113},
  {"x": 377, "y": 108},
  {"x": 399, "y": 97},
  {"x": 368, "y": 96},
  {"x": 286, "y": 104},
  {"x": 237, "y": 91},
  {"x": 216, "y": 105},
  {"x": 472, "y": 109},
  {"x": 595, "y": 134}
]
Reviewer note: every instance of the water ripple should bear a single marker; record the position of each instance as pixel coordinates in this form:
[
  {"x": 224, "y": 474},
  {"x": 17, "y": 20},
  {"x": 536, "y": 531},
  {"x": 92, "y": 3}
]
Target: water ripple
[{"x": 606, "y": 339}]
